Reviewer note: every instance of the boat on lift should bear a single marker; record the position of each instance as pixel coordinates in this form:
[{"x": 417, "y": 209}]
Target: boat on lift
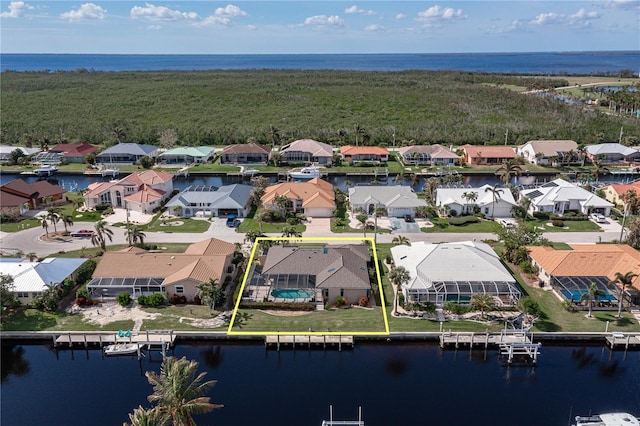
[
  {"x": 310, "y": 172},
  {"x": 46, "y": 170},
  {"x": 122, "y": 349},
  {"x": 608, "y": 419}
]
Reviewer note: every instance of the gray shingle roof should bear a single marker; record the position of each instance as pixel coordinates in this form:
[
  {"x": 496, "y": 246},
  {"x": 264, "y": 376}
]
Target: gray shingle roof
[{"x": 130, "y": 148}]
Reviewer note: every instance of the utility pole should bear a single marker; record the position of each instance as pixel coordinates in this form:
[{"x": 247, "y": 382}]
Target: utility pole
[
  {"x": 624, "y": 217},
  {"x": 621, "y": 133},
  {"x": 506, "y": 137}
]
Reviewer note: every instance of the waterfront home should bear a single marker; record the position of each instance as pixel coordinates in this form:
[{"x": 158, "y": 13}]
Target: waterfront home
[
  {"x": 454, "y": 272},
  {"x": 18, "y": 196},
  {"x": 69, "y": 152},
  {"x": 571, "y": 272},
  {"x": 314, "y": 198},
  {"x": 188, "y": 155},
  {"x": 306, "y": 151},
  {"x": 542, "y": 152},
  {"x": 364, "y": 154},
  {"x": 126, "y": 153},
  {"x": 477, "y": 155},
  {"x": 338, "y": 271},
  {"x": 248, "y": 153},
  {"x": 428, "y": 155},
  {"x": 397, "y": 201},
  {"x": 140, "y": 272},
  {"x": 142, "y": 191},
  {"x": 612, "y": 153},
  {"x": 30, "y": 279},
  {"x": 559, "y": 196},
  {"x": 614, "y": 192},
  {"x": 211, "y": 201},
  {"x": 465, "y": 201},
  {"x": 6, "y": 150}
]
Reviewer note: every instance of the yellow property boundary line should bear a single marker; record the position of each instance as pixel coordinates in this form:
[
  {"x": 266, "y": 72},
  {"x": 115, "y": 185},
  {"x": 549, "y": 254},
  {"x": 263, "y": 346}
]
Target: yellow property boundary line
[{"x": 231, "y": 332}]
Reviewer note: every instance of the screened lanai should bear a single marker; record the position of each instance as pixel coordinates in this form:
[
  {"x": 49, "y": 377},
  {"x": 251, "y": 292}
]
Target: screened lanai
[
  {"x": 573, "y": 288},
  {"x": 462, "y": 292},
  {"x": 112, "y": 286}
]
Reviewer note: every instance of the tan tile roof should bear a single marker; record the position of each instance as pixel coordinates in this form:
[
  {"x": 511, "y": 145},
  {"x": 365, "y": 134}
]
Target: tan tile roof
[
  {"x": 251, "y": 148},
  {"x": 316, "y": 192},
  {"x": 486, "y": 151},
  {"x": 588, "y": 260},
  {"x": 145, "y": 194},
  {"x": 550, "y": 148},
  {"x": 201, "y": 270},
  {"x": 358, "y": 150},
  {"x": 211, "y": 247},
  {"x": 622, "y": 188}
]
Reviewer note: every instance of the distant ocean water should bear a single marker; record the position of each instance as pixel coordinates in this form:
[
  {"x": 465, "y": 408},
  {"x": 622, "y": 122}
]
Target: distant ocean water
[{"x": 523, "y": 63}]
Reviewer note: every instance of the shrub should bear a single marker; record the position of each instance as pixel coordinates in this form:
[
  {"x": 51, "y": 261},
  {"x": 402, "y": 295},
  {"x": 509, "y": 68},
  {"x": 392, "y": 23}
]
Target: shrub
[
  {"x": 102, "y": 207},
  {"x": 82, "y": 292},
  {"x": 340, "y": 301},
  {"x": 456, "y": 308},
  {"x": 463, "y": 220},
  {"x": 401, "y": 299},
  {"x": 123, "y": 299},
  {"x": 557, "y": 222},
  {"x": 363, "y": 301},
  {"x": 542, "y": 215},
  {"x": 527, "y": 267}
]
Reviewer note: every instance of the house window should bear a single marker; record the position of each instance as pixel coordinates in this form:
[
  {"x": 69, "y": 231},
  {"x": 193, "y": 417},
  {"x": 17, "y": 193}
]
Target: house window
[
  {"x": 342, "y": 292},
  {"x": 23, "y": 295},
  {"x": 179, "y": 289}
]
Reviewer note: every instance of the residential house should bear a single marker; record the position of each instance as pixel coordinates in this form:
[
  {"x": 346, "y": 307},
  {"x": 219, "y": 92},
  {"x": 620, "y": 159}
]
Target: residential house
[
  {"x": 142, "y": 191},
  {"x": 6, "y": 150},
  {"x": 614, "y": 192},
  {"x": 543, "y": 152},
  {"x": 466, "y": 200},
  {"x": 249, "y": 153},
  {"x": 140, "y": 272},
  {"x": 72, "y": 152},
  {"x": 18, "y": 196},
  {"x": 428, "y": 155},
  {"x": 30, "y": 279},
  {"x": 559, "y": 196},
  {"x": 454, "y": 272},
  {"x": 306, "y": 151},
  {"x": 210, "y": 201},
  {"x": 397, "y": 201},
  {"x": 188, "y": 155},
  {"x": 314, "y": 198},
  {"x": 477, "y": 155},
  {"x": 364, "y": 154},
  {"x": 337, "y": 271},
  {"x": 571, "y": 272},
  {"x": 612, "y": 153},
  {"x": 126, "y": 153}
]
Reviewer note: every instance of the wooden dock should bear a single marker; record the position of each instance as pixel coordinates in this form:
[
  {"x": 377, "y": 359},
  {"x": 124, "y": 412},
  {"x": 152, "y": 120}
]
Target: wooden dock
[
  {"x": 310, "y": 341},
  {"x": 150, "y": 338},
  {"x": 622, "y": 340},
  {"x": 513, "y": 344}
]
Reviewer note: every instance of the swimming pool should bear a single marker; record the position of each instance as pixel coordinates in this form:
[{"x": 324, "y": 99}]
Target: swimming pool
[
  {"x": 576, "y": 295},
  {"x": 293, "y": 294}
]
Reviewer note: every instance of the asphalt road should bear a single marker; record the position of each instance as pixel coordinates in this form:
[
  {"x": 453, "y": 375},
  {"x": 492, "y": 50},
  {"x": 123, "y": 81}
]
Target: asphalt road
[{"x": 29, "y": 240}]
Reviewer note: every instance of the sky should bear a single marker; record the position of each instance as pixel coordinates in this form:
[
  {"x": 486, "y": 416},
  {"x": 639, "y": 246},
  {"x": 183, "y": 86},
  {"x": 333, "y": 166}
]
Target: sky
[{"x": 317, "y": 26}]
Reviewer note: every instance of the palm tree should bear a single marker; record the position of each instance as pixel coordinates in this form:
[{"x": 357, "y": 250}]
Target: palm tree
[
  {"x": 45, "y": 226},
  {"x": 210, "y": 293},
  {"x": 289, "y": 232},
  {"x": 591, "y": 296},
  {"x": 99, "y": 238},
  {"x": 274, "y": 135},
  {"x": 484, "y": 302},
  {"x": 178, "y": 392},
  {"x": 398, "y": 276},
  {"x": 135, "y": 235},
  {"x": 252, "y": 235},
  {"x": 470, "y": 197},
  {"x": 507, "y": 170},
  {"x": 358, "y": 131},
  {"x": 151, "y": 417},
  {"x": 598, "y": 167},
  {"x": 54, "y": 217},
  {"x": 401, "y": 240},
  {"x": 495, "y": 193},
  {"x": 67, "y": 221},
  {"x": 119, "y": 133},
  {"x": 282, "y": 202},
  {"x": 623, "y": 281}
]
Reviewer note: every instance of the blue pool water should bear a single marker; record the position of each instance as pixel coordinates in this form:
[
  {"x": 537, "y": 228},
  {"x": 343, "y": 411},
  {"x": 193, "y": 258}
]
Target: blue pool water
[
  {"x": 292, "y": 294},
  {"x": 575, "y": 295}
]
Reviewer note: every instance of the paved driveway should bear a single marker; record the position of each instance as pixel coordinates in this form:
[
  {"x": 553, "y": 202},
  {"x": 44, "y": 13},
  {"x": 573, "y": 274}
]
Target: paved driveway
[
  {"x": 399, "y": 226},
  {"x": 318, "y": 226}
]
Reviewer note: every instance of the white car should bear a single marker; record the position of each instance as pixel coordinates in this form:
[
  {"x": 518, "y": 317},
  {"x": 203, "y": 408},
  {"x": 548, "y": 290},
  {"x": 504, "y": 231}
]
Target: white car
[{"x": 597, "y": 217}]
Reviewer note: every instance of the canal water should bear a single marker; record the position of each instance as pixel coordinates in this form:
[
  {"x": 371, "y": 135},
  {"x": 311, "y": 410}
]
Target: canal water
[{"x": 395, "y": 384}]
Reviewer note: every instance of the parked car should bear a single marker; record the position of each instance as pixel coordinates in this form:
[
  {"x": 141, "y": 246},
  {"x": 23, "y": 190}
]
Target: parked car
[
  {"x": 597, "y": 217},
  {"x": 232, "y": 221},
  {"x": 505, "y": 223},
  {"x": 408, "y": 218},
  {"x": 83, "y": 233}
]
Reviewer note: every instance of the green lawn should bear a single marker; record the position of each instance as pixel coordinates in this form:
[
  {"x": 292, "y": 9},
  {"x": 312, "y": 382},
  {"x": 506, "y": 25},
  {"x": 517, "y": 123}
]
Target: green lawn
[
  {"x": 442, "y": 225},
  {"x": 251, "y": 224},
  {"x": 179, "y": 317},
  {"x": 34, "y": 320},
  {"x": 569, "y": 226},
  {"x": 185, "y": 225}
]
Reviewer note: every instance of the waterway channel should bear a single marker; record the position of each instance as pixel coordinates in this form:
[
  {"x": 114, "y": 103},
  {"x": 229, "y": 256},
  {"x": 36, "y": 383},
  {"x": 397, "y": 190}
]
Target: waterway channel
[{"x": 395, "y": 384}]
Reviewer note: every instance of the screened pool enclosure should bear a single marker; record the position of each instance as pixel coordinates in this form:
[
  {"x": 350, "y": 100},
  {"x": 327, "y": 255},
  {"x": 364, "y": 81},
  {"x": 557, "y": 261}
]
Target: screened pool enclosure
[
  {"x": 111, "y": 287},
  {"x": 574, "y": 288},
  {"x": 505, "y": 293}
]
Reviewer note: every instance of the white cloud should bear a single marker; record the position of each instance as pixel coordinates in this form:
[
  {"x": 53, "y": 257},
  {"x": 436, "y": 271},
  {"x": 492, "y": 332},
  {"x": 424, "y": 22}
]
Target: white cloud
[
  {"x": 546, "y": 19},
  {"x": 16, "y": 9},
  {"x": 230, "y": 11},
  {"x": 516, "y": 25},
  {"x": 401, "y": 16},
  {"x": 86, "y": 11},
  {"x": 581, "y": 19},
  {"x": 162, "y": 13},
  {"x": 436, "y": 14},
  {"x": 324, "y": 21},
  {"x": 374, "y": 28},
  {"x": 624, "y": 4},
  {"x": 356, "y": 9}
]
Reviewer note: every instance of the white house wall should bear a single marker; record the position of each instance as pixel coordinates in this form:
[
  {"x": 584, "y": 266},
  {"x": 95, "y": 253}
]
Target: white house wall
[{"x": 317, "y": 212}]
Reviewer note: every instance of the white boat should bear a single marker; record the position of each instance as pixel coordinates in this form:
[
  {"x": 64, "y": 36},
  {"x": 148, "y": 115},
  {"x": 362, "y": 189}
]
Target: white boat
[
  {"x": 608, "y": 419},
  {"x": 249, "y": 172},
  {"x": 109, "y": 172},
  {"x": 310, "y": 172},
  {"x": 122, "y": 349},
  {"x": 45, "y": 170}
]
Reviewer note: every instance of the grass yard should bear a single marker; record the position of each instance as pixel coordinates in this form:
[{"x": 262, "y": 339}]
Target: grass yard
[
  {"x": 179, "y": 317},
  {"x": 186, "y": 225},
  {"x": 340, "y": 320},
  {"x": 569, "y": 226},
  {"x": 34, "y": 320},
  {"x": 251, "y": 224},
  {"x": 442, "y": 225}
]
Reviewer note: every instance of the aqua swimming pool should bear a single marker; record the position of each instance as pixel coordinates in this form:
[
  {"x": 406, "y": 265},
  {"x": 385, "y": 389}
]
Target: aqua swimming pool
[{"x": 292, "y": 294}]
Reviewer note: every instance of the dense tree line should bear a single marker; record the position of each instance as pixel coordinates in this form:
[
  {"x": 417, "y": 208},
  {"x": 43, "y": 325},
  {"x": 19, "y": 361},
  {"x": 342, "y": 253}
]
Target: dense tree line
[{"x": 225, "y": 107}]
